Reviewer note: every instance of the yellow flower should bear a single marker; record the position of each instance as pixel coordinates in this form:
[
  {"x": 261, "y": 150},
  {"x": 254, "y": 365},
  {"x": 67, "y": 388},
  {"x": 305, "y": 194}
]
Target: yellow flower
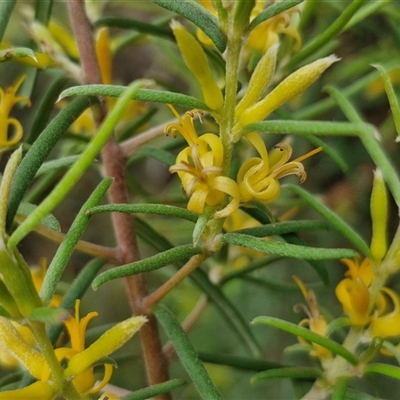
[
  {"x": 199, "y": 167},
  {"x": 267, "y": 33},
  {"x": 315, "y": 321},
  {"x": 79, "y": 360},
  {"x": 353, "y": 293},
  {"x": 10, "y": 128},
  {"x": 258, "y": 177}
]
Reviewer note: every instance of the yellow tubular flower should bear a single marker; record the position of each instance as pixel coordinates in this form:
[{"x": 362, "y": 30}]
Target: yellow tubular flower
[
  {"x": 288, "y": 89},
  {"x": 196, "y": 60},
  {"x": 315, "y": 321},
  {"x": 259, "y": 81},
  {"x": 36, "y": 391},
  {"x": 353, "y": 293},
  {"x": 10, "y": 128},
  {"x": 379, "y": 216},
  {"x": 199, "y": 167},
  {"x": 258, "y": 176},
  {"x": 63, "y": 37}
]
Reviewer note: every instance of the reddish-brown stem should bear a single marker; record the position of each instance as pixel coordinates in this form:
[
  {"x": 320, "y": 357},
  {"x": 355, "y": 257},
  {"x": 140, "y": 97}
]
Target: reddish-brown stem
[
  {"x": 163, "y": 290},
  {"x": 115, "y": 165}
]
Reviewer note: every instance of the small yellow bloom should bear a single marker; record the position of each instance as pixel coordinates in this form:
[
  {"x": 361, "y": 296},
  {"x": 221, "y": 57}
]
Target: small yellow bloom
[
  {"x": 196, "y": 60},
  {"x": 315, "y": 321},
  {"x": 10, "y": 128},
  {"x": 267, "y": 33},
  {"x": 199, "y": 167},
  {"x": 258, "y": 177}
]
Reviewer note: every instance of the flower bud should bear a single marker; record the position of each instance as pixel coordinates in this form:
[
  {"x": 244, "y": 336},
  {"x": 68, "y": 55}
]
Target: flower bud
[{"x": 196, "y": 60}]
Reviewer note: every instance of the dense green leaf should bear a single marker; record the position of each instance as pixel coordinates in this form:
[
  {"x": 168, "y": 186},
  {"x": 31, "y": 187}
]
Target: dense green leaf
[
  {"x": 339, "y": 392},
  {"x": 39, "y": 151},
  {"x": 50, "y": 221},
  {"x": 156, "y": 96},
  {"x": 197, "y": 14},
  {"x": 46, "y": 106},
  {"x": 286, "y": 249},
  {"x": 272, "y": 10},
  {"x": 288, "y": 372},
  {"x": 187, "y": 354},
  {"x": 159, "y": 209},
  {"x": 65, "y": 250},
  {"x": 340, "y": 225},
  {"x": 178, "y": 253},
  {"x": 308, "y": 335}
]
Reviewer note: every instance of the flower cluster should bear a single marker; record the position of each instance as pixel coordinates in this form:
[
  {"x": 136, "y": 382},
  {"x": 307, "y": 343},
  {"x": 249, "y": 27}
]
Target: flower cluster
[{"x": 77, "y": 360}]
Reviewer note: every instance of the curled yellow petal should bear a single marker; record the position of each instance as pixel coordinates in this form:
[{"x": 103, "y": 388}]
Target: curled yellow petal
[
  {"x": 379, "y": 216},
  {"x": 288, "y": 89},
  {"x": 196, "y": 60}
]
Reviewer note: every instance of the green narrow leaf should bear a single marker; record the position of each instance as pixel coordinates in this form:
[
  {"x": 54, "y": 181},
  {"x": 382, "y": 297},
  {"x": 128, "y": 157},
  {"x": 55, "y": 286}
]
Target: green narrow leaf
[
  {"x": 39, "y": 151},
  {"x": 6, "y": 9},
  {"x": 53, "y": 165},
  {"x": 325, "y": 128},
  {"x": 317, "y": 265},
  {"x": 178, "y": 253},
  {"x": 281, "y": 228},
  {"x": 46, "y": 107},
  {"x": 392, "y": 371},
  {"x": 340, "y": 225},
  {"x": 64, "y": 251},
  {"x": 340, "y": 389},
  {"x": 50, "y": 221},
  {"x": 187, "y": 354},
  {"x": 159, "y": 209},
  {"x": 286, "y": 249},
  {"x": 288, "y": 372},
  {"x": 197, "y": 14},
  {"x": 273, "y": 10},
  {"x": 16, "y": 52},
  {"x": 132, "y": 24},
  {"x": 154, "y": 390},
  {"x": 155, "y": 96},
  {"x": 244, "y": 363},
  {"x": 309, "y": 336}
]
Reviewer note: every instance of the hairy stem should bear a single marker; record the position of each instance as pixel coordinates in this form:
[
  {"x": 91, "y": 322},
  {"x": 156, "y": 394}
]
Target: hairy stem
[{"x": 114, "y": 166}]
